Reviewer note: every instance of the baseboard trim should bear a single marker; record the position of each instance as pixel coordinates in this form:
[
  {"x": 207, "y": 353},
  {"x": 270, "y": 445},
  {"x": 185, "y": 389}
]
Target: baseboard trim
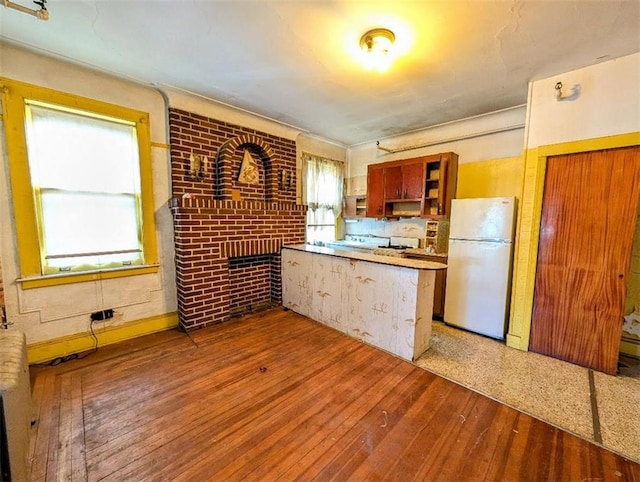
[
  {"x": 514, "y": 341},
  {"x": 79, "y": 342}
]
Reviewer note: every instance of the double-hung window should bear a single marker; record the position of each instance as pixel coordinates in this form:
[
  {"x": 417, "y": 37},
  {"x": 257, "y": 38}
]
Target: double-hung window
[
  {"x": 322, "y": 192},
  {"x": 80, "y": 172}
]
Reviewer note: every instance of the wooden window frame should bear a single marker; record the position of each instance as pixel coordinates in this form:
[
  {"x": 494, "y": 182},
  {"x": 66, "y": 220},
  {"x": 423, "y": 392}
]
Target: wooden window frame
[{"x": 14, "y": 95}]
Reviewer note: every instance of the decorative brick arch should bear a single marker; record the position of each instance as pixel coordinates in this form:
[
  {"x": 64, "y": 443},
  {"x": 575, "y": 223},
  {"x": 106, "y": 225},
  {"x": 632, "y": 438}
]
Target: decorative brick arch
[{"x": 227, "y": 171}]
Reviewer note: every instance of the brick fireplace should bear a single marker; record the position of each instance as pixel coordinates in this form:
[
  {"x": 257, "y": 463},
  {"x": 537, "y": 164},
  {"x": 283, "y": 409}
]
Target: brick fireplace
[{"x": 228, "y": 234}]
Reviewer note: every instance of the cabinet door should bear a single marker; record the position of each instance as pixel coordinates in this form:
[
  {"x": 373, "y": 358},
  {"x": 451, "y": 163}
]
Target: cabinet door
[
  {"x": 444, "y": 207},
  {"x": 354, "y": 206},
  {"x": 438, "y": 293},
  {"x": 349, "y": 207},
  {"x": 297, "y": 279},
  {"x": 413, "y": 181},
  {"x": 375, "y": 192},
  {"x": 393, "y": 183},
  {"x": 449, "y": 183},
  {"x": 439, "y": 288}
]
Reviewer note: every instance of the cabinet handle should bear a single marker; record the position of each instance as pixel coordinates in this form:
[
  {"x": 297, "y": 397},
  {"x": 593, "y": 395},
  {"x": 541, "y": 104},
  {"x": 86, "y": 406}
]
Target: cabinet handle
[
  {"x": 439, "y": 208},
  {"x": 405, "y": 194}
]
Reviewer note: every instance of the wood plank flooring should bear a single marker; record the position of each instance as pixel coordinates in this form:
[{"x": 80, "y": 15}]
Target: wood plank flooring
[{"x": 275, "y": 396}]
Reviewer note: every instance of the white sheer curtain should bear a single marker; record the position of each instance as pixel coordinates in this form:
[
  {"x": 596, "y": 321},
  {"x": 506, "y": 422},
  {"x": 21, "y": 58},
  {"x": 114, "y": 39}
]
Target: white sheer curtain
[
  {"x": 86, "y": 181},
  {"x": 322, "y": 192}
]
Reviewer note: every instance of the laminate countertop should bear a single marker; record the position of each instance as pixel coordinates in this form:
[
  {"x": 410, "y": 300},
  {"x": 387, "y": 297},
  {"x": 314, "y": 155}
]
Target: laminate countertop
[{"x": 372, "y": 258}]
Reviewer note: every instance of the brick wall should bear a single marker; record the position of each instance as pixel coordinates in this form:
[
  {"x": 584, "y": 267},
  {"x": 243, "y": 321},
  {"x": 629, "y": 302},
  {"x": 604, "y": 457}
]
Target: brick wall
[
  {"x": 223, "y": 144},
  {"x": 220, "y": 223}
]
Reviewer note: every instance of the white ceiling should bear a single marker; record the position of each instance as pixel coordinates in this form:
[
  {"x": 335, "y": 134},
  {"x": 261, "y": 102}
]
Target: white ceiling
[{"x": 293, "y": 61}]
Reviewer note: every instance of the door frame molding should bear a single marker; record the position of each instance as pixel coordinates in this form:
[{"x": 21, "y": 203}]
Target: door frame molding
[{"x": 528, "y": 227}]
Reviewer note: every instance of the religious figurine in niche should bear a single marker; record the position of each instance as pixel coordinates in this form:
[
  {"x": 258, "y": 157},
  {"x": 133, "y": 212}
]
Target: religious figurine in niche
[{"x": 249, "y": 172}]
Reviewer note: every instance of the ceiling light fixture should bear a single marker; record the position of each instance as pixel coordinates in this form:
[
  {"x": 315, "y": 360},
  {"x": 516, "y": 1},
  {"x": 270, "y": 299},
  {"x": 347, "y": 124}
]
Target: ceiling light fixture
[
  {"x": 377, "y": 45},
  {"x": 378, "y": 40}
]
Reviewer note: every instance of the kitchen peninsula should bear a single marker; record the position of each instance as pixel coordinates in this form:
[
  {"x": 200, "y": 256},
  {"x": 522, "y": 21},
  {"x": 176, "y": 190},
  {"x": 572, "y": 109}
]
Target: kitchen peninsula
[{"x": 382, "y": 300}]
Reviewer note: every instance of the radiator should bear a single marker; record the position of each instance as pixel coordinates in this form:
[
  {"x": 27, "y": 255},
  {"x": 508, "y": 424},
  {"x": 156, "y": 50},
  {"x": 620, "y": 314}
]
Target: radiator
[{"x": 15, "y": 405}]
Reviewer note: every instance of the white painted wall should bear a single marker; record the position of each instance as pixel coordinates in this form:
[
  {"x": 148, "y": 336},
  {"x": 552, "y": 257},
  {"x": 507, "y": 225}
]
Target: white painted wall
[
  {"x": 49, "y": 313},
  {"x": 608, "y": 103},
  {"x": 320, "y": 147},
  {"x": 475, "y": 147}
]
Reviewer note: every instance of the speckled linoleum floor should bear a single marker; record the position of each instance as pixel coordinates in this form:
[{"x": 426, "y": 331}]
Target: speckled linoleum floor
[{"x": 549, "y": 389}]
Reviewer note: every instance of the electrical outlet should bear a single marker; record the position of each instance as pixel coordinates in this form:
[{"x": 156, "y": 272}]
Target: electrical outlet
[{"x": 102, "y": 315}]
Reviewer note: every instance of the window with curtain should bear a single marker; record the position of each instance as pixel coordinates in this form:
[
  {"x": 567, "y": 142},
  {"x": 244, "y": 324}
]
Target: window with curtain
[
  {"x": 322, "y": 192},
  {"x": 82, "y": 186},
  {"x": 86, "y": 186}
]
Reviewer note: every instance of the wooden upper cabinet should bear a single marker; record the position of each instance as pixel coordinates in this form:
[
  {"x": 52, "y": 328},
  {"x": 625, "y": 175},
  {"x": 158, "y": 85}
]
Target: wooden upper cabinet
[
  {"x": 404, "y": 183},
  {"x": 354, "y": 206},
  {"x": 393, "y": 182},
  {"x": 440, "y": 185},
  {"x": 375, "y": 191},
  {"x": 413, "y": 180},
  {"x": 421, "y": 186}
]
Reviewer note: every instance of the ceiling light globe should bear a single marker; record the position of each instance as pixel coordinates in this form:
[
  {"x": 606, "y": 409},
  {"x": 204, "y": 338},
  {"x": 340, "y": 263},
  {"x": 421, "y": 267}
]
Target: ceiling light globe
[{"x": 378, "y": 40}]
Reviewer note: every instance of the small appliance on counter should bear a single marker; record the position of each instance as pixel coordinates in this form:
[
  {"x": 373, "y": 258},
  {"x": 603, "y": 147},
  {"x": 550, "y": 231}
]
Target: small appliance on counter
[{"x": 478, "y": 285}]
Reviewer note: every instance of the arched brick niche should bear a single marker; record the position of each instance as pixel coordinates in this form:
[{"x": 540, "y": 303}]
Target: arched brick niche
[
  {"x": 229, "y": 162},
  {"x": 223, "y": 144}
]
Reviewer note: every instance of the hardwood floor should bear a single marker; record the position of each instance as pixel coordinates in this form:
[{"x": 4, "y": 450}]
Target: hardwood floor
[{"x": 275, "y": 396}]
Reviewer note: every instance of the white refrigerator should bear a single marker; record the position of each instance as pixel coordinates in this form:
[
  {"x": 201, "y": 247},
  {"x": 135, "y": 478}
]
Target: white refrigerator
[{"x": 481, "y": 234}]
